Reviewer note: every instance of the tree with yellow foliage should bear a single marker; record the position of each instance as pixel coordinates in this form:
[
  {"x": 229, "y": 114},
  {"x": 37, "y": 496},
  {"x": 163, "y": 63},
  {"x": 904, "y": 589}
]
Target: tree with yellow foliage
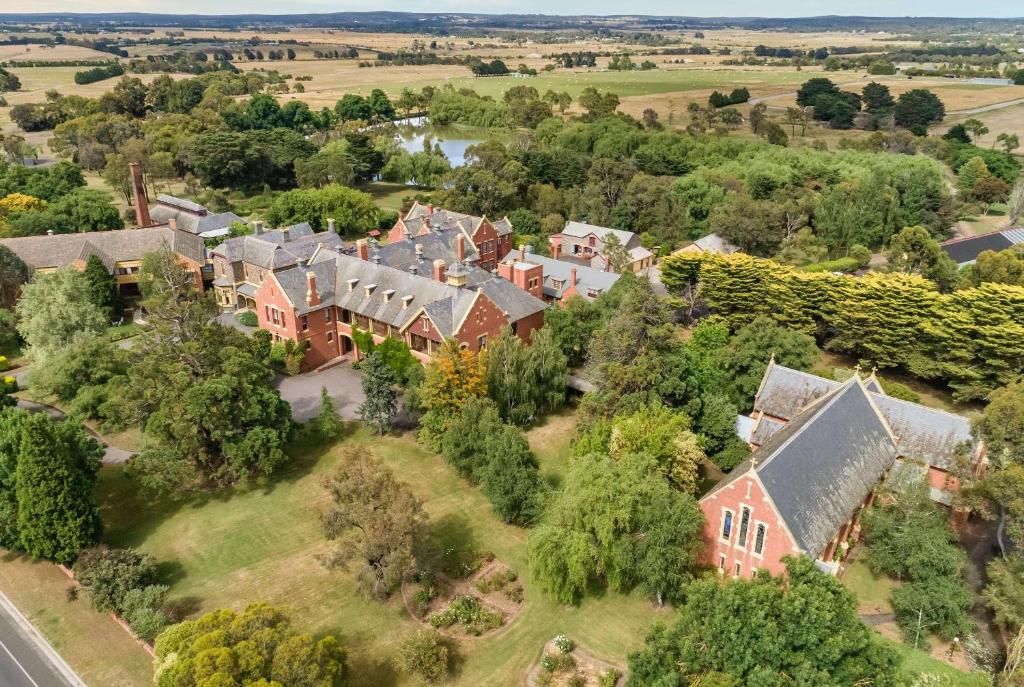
[
  {"x": 20, "y": 202},
  {"x": 453, "y": 376}
]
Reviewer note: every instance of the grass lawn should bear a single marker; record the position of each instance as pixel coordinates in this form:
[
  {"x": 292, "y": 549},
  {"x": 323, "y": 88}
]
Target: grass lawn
[
  {"x": 390, "y": 196},
  {"x": 102, "y": 653},
  {"x": 916, "y": 662},
  {"x": 872, "y": 590},
  {"x": 262, "y": 545}
]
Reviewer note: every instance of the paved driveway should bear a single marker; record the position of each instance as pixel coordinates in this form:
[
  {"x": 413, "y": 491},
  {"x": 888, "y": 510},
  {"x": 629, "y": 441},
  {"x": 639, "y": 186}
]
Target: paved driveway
[{"x": 303, "y": 392}]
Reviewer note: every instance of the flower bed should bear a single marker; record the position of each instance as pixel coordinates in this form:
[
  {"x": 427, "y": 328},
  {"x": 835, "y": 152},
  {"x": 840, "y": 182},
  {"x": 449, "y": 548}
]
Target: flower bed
[{"x": 563, "y": 664}]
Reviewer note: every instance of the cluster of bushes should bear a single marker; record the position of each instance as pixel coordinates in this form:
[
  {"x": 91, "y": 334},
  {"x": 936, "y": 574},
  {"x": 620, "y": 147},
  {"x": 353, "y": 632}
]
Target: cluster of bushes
[
  {"x": 124, "y": 582},
  {"x": 492, "y": 68},
  {"x": 95, "y": 74},
  {"x": 470, "y": 614},
  {"x": 738, "y": 95},
  {"x": 8, "y": 81}
]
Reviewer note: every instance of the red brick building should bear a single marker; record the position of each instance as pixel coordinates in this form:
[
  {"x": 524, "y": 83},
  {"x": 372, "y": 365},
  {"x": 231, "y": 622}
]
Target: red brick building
[
  {"x": 323, "y": 301},
  {"x": 492, "y": 241},
  {"x": 821, "y": 448}
]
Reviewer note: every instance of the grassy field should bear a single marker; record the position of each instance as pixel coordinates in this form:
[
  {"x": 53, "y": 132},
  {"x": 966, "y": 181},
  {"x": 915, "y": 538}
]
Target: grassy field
[
  {"x": 872, "y": 590},
  {"x": 98, "y": 649},
  {"x": 1008, "y": 120},
  {"x": 262, "y": 545}
]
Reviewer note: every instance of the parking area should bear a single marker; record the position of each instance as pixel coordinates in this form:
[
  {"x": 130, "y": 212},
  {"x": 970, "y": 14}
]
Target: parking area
[{"x": 303, "y": 392}]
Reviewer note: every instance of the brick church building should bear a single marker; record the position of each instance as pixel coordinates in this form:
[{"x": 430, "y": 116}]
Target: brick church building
[{"x": 821, "y": 448}]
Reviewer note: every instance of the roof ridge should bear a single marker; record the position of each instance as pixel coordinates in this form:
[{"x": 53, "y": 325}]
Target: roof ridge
[
  {"x": 825, "y": 401},
  {"x": 920, "y": 405}
]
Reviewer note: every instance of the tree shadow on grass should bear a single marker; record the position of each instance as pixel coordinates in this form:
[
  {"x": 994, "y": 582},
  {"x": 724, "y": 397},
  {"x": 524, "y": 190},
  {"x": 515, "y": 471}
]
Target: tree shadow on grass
[
  {"x": 451, "y": 545},
  {"x": 370, "y": 671},
  {"x": 183, "y": 607}
]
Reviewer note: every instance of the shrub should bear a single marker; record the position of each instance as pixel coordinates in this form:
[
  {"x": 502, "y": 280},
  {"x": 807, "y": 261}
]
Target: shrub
[
  {"x": 4, "y": 365},
  {"x": 287, "y": 356},
  {"x": 247, "y": 318},
  {"x": 427, "y": 655},
  {"x": 936, "y": 605},
  {"x": 144, "y": 611},
  {"x": 849, "y": 264},
  {"x": 564, "y": 644},
  {"x": 577, "y": 680},
  {"x": 609, "y": 678},
  {"x": 468, "y": 612},
  {"x": 548, "y": 663},
  {"x": 108, "y": 575}
]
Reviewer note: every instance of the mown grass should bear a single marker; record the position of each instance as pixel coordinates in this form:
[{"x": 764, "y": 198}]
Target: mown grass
[
  {"x": 238, "y": 547},
  {"x": 916, "y": 662}
]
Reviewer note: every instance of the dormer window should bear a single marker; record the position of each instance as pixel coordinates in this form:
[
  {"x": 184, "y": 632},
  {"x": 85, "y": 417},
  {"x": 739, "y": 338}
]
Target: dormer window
[
  {"x": 388, "y": 295},
  {"x": 369, "y": 289},
  {"x": 406, "y": 300},
  {"x": 352, "y": 284}
]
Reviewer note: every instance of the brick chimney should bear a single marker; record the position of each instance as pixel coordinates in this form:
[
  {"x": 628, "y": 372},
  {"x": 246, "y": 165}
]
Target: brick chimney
[
  {"x": 312, "y": 295},
  {"x": 142, "y": 217},
  {"x": 572, "y": 277},
  {"x": 430, "y": 208},
  {"x": 286, "y": 234},
  {"x": 363, "y": 249},
  {"x": 556, "y": 249},
  {"x": 439, "y": 271},
  {"x": 460, "y": 247}
]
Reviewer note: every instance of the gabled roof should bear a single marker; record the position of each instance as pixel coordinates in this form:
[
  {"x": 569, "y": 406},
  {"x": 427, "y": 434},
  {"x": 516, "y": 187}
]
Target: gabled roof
[
  {"x": 714, "y": 243},
  {"x": 439, "y": 218},
  {"x": 58, "y": 250},
  {"x": 271, "y": 250},
  {"x": 192, "y": 217},
  {"x": 582, "y": 229},
  {"x": 437, "y": 245},
  {"x": 557, "y": 273},
  {"x": 346, "y": 281},
  {"x": 927, "y": 434},
  {"x": 820, "y": 467}
]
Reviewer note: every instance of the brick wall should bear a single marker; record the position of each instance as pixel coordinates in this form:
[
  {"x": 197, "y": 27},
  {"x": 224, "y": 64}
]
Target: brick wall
[{"x": 744, "y": 492}]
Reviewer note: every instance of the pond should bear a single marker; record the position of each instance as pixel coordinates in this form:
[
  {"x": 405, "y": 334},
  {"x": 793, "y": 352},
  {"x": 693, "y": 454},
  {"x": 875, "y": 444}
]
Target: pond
[{"x": 452, "y": 140}]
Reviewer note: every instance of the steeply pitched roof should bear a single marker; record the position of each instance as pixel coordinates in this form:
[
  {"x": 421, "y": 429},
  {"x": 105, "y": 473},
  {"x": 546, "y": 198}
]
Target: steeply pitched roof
[
  {"x": 927, "y": 434},
  {"x": 439, "y": 218},
  {"x": 820, "y": 467},
  {"x": 582, "y": 229},
  {"x": 271, "y": 250},
  {"x": 58, "y": 250},
  {"x": 192, "y": 217},
  {"x": 437, "y": 245},
  {"x": 557, "y": 273},
  {"x": 382, "y": 292}
]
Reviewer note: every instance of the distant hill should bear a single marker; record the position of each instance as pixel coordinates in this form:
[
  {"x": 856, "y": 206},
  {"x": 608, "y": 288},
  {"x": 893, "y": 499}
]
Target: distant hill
[{"x": 443, "y": 23}]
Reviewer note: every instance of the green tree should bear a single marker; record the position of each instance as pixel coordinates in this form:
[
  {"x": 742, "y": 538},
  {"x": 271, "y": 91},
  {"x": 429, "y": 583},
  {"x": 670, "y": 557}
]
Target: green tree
[
  {"x": 54, "y": 479},
  {"x": 1004, "y": 592},
  {"x": 353, "y": 107},
  {"x": 799, "y": 629},
  {"x": 55, "y": 310},
  {"x": 748, "y": 352},
  {"x": 1001, "y": 424},
  {"x": 354, "y": 211},
  {"x": 914, "y": 251},
  {"x": 14, "y": 273},
  {"x": 193, "y": 385},
  {"x": 1009, "y": 142},
  {"x": 103, "y": 288},
  {"x": 327, "y": 423},
  {"x": 452, "y": 377},
  {"x": 107, "y": 575},
  {"x": 918, "y": 107},
  {"x": 524, "y": 381},
  {"x": 377, "y": 522},
  {"x": 618, "y": 523},
  {"x": 877, "y": 98},
  {"x": 812, "y": 88},
  {"x": 381, "y": 404},
  {"x": 257, "y": 646},
  {"x": 510, "y": 477},
  {"x": 976, "y": 127},
  {"x": 597, "y": 104}
]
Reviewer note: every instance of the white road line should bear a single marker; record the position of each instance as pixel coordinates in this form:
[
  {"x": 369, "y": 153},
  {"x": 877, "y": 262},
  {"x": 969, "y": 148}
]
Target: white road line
[{"x": 18, "y": 663}]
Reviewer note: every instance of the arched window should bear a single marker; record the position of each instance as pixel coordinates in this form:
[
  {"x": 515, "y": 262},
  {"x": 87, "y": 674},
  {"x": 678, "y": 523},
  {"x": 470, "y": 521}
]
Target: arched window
[
  {"x": 727, "y": 524},
  {"x": 744, "y": 524},
  {"x": 759, "y": 538}
]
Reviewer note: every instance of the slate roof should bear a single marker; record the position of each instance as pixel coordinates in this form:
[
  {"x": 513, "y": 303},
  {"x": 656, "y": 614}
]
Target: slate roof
[
  {"x": 558, "y": 272},
  {"x": 819, "y": 468},
  {"x": 713, "y": 243},
  {"x": 58, "y": 250},
  {"x": 922, "y": 433},
  {"x": 270, "y": 250},
  {"x": 192, "y": 217},
  {"x": 965, "y": 251},
  {"x": 582, "y": 229},
  {"x": 441, "y": 219},
  {"x": 447, "y": 305},
  {"x": 439, "y": 245}
]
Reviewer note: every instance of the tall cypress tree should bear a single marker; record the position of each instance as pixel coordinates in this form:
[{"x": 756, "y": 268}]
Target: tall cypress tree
[
  {"x": 54, "y": 480},
  {"x": 103, "y": 288}
]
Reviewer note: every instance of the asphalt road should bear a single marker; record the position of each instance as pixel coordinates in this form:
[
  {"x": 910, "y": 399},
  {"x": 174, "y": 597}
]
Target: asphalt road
[{"x": 23, "y": 662}]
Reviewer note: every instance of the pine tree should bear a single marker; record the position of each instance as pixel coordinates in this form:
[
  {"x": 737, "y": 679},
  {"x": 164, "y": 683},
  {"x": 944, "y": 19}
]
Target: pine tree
[
  {"x": 381, "y": 404},
  {"x": 57, "y": 466},
  {"x": 102, "y": 288}
]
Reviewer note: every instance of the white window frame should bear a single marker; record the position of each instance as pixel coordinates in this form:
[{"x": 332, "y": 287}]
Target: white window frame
[
  {"x": 732, "y": 525},
  {"x": 764, "y": 542}
]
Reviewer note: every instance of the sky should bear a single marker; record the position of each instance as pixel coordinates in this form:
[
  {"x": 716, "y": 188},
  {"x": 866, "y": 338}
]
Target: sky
[{"x": 699, "y": 8}]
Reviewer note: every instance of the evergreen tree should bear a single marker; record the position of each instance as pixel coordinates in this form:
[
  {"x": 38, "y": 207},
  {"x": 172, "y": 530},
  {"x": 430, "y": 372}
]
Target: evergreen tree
[
  {"x": 102, "y": 288},
  {"x": 381, "y": 404},
  {"x": 55, "y": 476}
]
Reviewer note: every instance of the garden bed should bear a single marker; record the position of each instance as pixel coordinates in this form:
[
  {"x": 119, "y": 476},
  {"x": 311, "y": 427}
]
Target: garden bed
[
  {"x": 563, "y": 664},
  {"x": 477, "y": 605}
]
